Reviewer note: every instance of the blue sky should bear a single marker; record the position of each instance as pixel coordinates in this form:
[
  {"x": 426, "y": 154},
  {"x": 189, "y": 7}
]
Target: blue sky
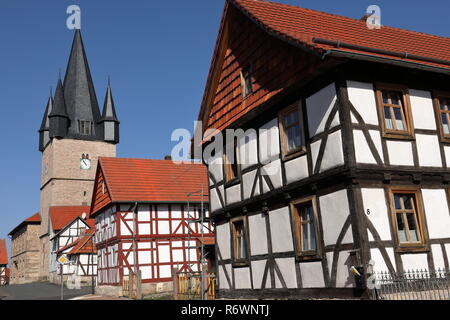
[{"x": 157, "y": 54}]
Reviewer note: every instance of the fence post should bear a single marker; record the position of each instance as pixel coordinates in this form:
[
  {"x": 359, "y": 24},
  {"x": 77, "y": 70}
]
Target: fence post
[
  {"x": 176, "y": 289},
  {"x": 139, "y": 285}
]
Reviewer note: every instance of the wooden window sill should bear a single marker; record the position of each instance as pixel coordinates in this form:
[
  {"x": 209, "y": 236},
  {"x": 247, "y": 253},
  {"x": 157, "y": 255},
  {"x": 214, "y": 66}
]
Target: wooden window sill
[
  {"x": 412, "y": 249},
  {"x": 399, "y": 136},
  {"x": 240, "y": 264},
  {"x": 294, "y": 154},
  {"x": 308, "y": 257},
  {"x": 232, "y": 182}
]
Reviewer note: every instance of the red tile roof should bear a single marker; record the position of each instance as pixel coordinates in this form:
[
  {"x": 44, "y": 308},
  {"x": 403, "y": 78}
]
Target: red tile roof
[
  {"x": 145, "y": 180},
  {"x": 301, "y": 26},
  {"x": 34, "y": 219},
  {"x": 60, "y": 216},
  {"x": 320, "y": 32},
  {"x": 3, "y": 252},
  {"x": 207, "y": 241},
  {"x": 81, "y": 245}
]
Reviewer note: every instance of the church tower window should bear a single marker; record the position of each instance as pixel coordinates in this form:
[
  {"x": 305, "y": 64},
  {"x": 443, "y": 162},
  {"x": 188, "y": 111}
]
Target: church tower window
[{"x": 85, "y": 127}]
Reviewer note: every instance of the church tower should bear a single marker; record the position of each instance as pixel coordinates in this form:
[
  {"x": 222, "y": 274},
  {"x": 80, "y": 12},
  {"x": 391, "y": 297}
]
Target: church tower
[{"x": 73, "y": 134}]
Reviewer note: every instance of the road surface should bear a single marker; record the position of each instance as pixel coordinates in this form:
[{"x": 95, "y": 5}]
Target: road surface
[{"x": 39, "y": 291}]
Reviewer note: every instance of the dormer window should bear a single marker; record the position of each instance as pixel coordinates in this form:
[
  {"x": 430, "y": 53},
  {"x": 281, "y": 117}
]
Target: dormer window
[
  {"x": 85, "y": 127},
  {"x": 246, "y": 82}
]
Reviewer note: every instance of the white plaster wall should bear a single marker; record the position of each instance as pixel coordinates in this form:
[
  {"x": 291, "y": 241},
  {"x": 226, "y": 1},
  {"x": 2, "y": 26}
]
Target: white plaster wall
[
  {"x": 163, "y": 227},
  {"x": 280, "y": 228},
  {"x": 144, "y": 229},
  {"x": 223, "y": 240},
  {"x": 144, "y": 257},
  {"x": 333, "y": 155},
  {"x": 344, "y": 278},
  {"x": 335, "y": 210},
  {"x": 287, "y": 269},
  {"x": 215, "y": 202},
  {"x": 400, "y": 153},
  {"x": 146, "y": 272},
  {"x": 447, "y": 156},
  {"x": 233, "y": 194},
  {"x": 375, "y": 201},
  {"x": 163, "y": 253},
  {"x": 223, "y": 283},
  {"x": 248, "y": 180},
  {"x": 422, "y": 109},
  {"x": 414, "y": 261},
  {"x": 319, "y": 106},
  {"x": 380, "y": 264},
  {"x": 428, "y": 150},
  {"x": 362, "y": 96},
  {"x": 362, "y": 150},
  {"x": 269, "y": 142},
  {"x": 258, "y": 274},
  {"x": 438, "y": 257},
  {"x": 273, "y": 171},
  {"x": 215, "y": 166},
  {"x": 437, "y": 213},
  {"x": 143, "y": 213},
  {"x": 296, "y": 169},
  {"x": 258, "y": 234},
  {"x": 315, "y": 146},
  {"x": 312, "y": 275},
  {"x": 242, "y": 279},
  {"x": 248, "y": 150}
]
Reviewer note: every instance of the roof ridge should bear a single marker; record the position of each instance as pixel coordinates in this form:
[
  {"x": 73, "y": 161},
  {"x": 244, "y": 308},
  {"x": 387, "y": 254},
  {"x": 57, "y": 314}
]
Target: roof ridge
[
  {"x": 151, "y": 160},
  {"x": 339, "y": 16}
]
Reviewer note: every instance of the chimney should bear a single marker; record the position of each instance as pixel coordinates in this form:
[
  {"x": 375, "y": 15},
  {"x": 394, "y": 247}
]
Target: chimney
[{"x": 168, "y": 158}]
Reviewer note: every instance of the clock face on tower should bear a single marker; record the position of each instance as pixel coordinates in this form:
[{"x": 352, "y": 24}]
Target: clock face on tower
[{"x": 85, "y": 164}]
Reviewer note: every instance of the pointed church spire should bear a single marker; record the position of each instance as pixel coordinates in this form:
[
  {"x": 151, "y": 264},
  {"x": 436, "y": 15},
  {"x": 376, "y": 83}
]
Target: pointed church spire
[
  {"x": 109, "y": 110},
  {"x": 59, "y": 119},
  {"x": 74, "y": 112},
  {"x": 44, "y": 136},
  {"x": 109, "y": 117},
  {"x": 79, "y": 92}
]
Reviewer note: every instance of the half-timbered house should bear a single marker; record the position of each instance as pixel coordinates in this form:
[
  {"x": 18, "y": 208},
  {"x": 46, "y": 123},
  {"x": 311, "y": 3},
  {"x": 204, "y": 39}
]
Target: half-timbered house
[
  {"x": 67, "y": 224},
  {"x": 147, "y": 215},
  {"x": 82, "y": 256},
  {"x": 349, "y": 159},
  {"x": 4, "y": 272}
]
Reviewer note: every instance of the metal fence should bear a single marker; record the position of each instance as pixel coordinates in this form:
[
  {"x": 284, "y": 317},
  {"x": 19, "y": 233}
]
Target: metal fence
[{"x": 411, "y": 285}]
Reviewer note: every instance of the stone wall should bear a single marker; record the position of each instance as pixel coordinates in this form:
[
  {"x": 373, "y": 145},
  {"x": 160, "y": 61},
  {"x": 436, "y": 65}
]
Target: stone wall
[{"x": 63, "y": 183}]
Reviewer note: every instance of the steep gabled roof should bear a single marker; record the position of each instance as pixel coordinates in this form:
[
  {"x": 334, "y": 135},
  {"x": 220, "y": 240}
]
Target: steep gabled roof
[
  {"x": 82, "y": 244},
  {"x": 88, "y": 221},
  {"x": 304, "y": 26},
  {"x": 3, "y": 252},
  {"x": 60, "y": 216},
  {"x": 34, "y": 219},
  {"x": 145, "y": 180},
  {"x": 328, "y": 35}
]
